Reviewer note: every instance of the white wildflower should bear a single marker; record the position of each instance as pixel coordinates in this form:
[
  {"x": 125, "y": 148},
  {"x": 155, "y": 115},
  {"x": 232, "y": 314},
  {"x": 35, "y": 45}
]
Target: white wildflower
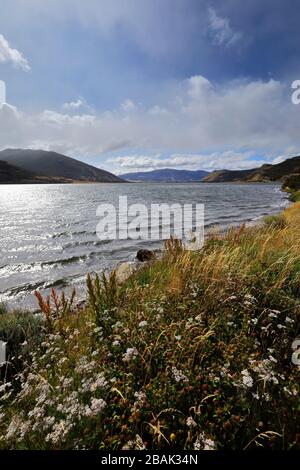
[
  {"x": 204, "y": 443},
  {"x": 96, "y": 407},
  {"x": 190, "y": 422},
  {"x": 209, "y": 444},
  {"x": 179, "y": 375},
  {"x": 59, "y": 433},
  {"x": 272, "y": 359},
  {"x": 264, "y": 369},
  {"x": 250, "y": 298},
  {"x": 247, "y": 379},
  {"x": 98, "y": 329},
  {"x": 276, "y": 312},
  {"x": 130, "y": 354},
  {"x": 232, "y": 297},
  {"x": 100, "y": 383},
  {"x": 140, "y": 396}
]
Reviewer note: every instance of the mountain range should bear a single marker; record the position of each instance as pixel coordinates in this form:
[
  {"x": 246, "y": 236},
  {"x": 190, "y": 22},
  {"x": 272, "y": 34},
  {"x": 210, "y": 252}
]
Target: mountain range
[
  {"x": 40, "y": 166},
  {"x": 166, "y": 175}
]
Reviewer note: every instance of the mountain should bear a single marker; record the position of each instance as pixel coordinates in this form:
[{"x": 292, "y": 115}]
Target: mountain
[
  {"x": 54, "y": 165},
  {"x": 226, "y": 176},
  {"x": 167, "y": 175},
  {"x": 266, "y": 172}
]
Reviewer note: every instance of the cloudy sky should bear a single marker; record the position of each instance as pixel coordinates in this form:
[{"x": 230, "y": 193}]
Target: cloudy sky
[{"x": 141, "y": 84}]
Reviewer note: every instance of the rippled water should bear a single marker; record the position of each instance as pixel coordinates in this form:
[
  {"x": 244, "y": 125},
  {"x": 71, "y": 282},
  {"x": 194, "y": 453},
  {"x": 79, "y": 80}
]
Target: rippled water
[{"x": 48, "y": 232}]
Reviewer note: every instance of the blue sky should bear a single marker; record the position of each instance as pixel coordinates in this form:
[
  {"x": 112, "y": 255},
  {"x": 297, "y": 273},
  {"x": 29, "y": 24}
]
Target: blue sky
[{"x": 141, "y": 84}]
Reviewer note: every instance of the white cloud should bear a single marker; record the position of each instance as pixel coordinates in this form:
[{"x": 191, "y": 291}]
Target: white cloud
[
  {"x": 2, "y": 92},
  {"x": 73, "y": 105},
  {"x": 80, "y": 106},
  {"x": 199, "y": 87},
  {"x": 220, "y": 31},
  {"x": 210, "y": 161},
  {"x": 199, "y": 124},
  {"x": 13, "y": 56},
  {"x": 128, "y": 105},
  {"x": 156, "y": 110}
]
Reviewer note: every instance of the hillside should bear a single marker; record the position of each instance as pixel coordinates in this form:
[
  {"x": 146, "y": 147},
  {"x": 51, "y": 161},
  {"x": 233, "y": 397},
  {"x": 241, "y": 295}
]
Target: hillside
[
  {"x": 52, "y": 164},
  {"x": 11, "y": 174},
  {"x": 226, "y": 176},
  {"x": 167, "y": 175},
  {"x": 264, "y": 173}
]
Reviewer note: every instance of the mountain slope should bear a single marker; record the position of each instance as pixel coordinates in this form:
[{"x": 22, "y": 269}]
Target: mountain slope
[
  {"x": 11, "y": 174},
  {"x": 224, "y": 176},
  {"x": 264, "y": 173},
  {"x": 167, "y": 175},
  {"x": 52, "y": 164}
]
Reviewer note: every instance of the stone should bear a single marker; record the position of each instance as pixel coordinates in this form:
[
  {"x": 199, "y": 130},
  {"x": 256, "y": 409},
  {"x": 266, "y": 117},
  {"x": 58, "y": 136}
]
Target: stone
[
  {"x": 145, "y": 255},
  {"x": 123, "y": 272}
]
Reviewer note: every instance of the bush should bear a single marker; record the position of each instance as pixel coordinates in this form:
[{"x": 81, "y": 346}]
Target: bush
[
  {"x": 22, "y": 331},
  {"x": 275, "y": 221}
]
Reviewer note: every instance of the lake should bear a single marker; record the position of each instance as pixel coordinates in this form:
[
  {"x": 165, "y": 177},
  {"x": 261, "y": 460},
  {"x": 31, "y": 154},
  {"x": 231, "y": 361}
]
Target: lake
[{"x": 48, "y": 232}]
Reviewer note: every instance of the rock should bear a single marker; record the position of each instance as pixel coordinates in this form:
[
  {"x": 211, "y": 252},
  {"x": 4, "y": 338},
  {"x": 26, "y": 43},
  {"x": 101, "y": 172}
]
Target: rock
[
  {"x": 123, "y": 272},
  {"x": 145, "y": 255}
]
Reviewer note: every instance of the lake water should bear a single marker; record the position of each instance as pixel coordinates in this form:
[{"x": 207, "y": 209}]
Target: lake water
[{"x": 48, "y": 232}]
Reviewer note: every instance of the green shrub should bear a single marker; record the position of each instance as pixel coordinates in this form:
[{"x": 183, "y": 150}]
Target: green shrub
[{"x": 275, "y": 221}]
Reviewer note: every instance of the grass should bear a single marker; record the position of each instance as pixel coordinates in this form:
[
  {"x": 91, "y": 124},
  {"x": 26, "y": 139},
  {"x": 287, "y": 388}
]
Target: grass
[
  {"x": 16, "y": 328},
  {"x": 277, "y": 220},
  {"x": 192, "y": 352},
  {"x": 292, "y": 186},
  {"x": 295, "y": 196}
]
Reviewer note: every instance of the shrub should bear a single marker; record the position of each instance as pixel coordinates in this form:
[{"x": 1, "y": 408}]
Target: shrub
[{"x": 276, "y": 221}]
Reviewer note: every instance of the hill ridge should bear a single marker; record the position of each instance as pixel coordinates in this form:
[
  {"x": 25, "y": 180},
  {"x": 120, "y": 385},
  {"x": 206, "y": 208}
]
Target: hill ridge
[
  {"x": 48, "y": 164},
  {"x": 266, "y": 172}
]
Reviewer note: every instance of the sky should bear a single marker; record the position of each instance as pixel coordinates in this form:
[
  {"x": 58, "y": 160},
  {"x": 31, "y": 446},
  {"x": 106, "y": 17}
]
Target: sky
[{"x": 137, "y": 85}]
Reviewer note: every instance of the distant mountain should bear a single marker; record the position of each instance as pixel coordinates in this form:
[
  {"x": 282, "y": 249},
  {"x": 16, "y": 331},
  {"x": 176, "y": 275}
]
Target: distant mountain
[
  {"x": 264, "y": 173},
  {"x": 166, "y": 175},
  {"x": 54, "y": 165}
]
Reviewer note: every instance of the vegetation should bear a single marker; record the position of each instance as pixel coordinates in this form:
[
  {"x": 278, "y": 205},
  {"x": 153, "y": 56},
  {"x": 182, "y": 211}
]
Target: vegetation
[
  {"x": 193, "y": 351},
  {"x": 277, "y": 220},
  {"x": 292, "y": 186}
]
